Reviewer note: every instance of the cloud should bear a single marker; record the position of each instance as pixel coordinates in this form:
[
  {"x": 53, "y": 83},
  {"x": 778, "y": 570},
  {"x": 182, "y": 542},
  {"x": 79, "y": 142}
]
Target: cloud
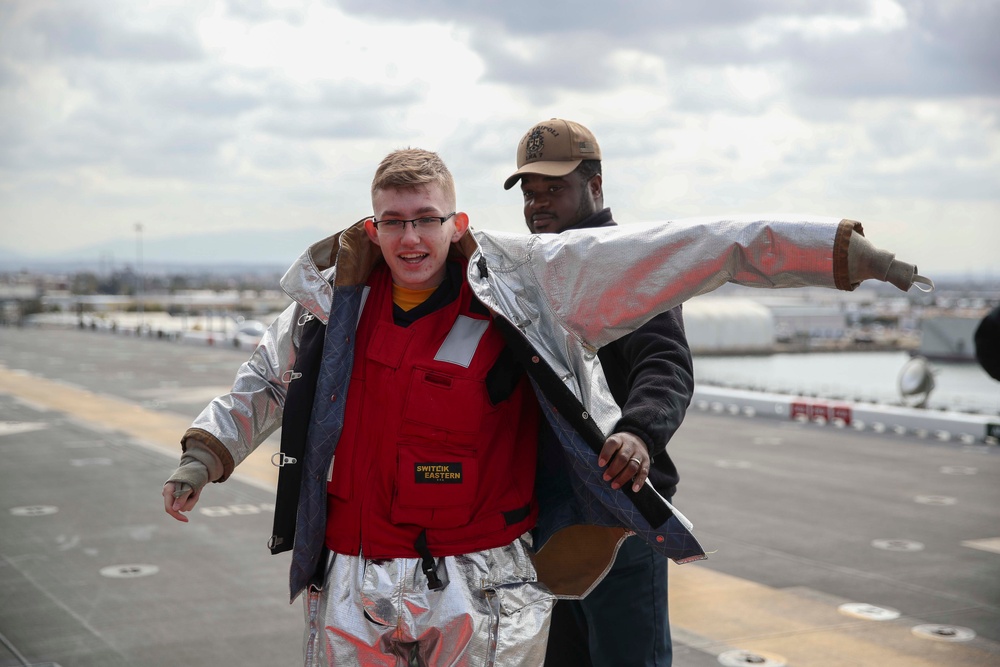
[
  {"x": 337, "y": 110},
  {"x": 257, "y": 11},
  {"x": 117, "y": 32},
  {"x": 252, "y": 114},
  {"x": 944, "y": 50},
  {"x": 850, "y": 48},
  {"x": 623, "y": 20}
]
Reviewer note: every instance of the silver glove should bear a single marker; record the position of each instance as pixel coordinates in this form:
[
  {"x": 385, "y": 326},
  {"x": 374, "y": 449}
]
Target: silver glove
[{"x": 865, "y": 261}]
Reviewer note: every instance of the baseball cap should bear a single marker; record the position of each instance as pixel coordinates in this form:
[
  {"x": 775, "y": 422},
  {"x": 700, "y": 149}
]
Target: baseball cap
[{"x": 553, "y": 148}]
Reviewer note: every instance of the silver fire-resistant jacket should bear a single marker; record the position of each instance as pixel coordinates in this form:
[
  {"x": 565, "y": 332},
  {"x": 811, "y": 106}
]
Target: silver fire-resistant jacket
[
  {"x": 575, "y": 292},
  {"x": 568, "y": 294}
]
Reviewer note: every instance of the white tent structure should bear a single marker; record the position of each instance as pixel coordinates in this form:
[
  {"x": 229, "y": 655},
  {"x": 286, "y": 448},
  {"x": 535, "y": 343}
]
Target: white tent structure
[{"x": 728, "y": 325}]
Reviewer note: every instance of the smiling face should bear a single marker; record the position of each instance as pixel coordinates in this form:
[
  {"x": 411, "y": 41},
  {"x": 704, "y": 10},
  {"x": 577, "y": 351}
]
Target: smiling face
[
  {"x": 416, "y": 258},
  {"x": 553, "y": 203}
]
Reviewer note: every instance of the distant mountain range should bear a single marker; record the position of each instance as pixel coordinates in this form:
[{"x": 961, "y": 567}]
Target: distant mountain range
[{"x": 251, "y": 249}]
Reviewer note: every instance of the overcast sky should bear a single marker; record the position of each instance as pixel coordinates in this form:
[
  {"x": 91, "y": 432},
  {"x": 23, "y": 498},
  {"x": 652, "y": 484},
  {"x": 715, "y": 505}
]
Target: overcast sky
[{"x": 204, "y": 117}]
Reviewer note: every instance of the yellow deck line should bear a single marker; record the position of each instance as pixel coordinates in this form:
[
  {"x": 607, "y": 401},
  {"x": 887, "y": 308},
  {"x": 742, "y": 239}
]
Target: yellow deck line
[
  {"x": 718, "y": 612},
  {"x": 988, "y": 544},
  {"x": 161, "y": 430}
]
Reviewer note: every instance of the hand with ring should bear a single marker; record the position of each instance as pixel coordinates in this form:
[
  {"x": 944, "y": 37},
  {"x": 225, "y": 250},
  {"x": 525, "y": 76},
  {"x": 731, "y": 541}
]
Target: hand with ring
[{"x": 626, "y": 459}]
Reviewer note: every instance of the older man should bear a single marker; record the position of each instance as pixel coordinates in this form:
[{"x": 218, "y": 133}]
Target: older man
[{"x": 624, "y": 621}]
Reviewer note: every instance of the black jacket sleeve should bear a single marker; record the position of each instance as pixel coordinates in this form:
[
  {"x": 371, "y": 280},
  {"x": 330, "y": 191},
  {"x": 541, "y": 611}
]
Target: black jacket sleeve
[{"x": 651, "y": 377}]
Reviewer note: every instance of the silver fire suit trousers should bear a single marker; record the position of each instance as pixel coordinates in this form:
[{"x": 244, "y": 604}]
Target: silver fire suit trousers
[{"x": 490, "y": 611}]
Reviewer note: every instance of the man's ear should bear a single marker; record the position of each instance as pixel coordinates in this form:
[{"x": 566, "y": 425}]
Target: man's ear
[
  {"x": 461, "y": 226},
  {"x": 371, "y": 231},
  {"x": 596, "y": 186}
]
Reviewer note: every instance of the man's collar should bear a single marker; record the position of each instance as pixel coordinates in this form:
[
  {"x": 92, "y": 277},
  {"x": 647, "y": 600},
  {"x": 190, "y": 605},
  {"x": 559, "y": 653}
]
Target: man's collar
[{"x": 602, "y": 218}]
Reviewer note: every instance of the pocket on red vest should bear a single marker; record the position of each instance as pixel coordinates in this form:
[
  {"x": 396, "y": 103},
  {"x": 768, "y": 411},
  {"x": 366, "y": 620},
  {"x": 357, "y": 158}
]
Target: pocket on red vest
[
  {"x": 445, "y": 402},
  {"x": 436, "y": 485}
]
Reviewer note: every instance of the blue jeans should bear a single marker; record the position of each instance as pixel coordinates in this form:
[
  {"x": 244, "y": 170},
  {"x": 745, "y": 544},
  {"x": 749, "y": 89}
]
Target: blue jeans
[{"x": 623, "y": 622}]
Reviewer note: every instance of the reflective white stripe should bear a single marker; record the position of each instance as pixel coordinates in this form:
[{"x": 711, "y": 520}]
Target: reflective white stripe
[{"x": 460, "y": 345}]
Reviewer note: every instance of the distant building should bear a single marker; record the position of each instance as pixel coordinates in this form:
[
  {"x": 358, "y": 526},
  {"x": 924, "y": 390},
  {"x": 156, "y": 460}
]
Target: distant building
[
  {"x": 796, "y": 321},
  {"x": 949, "y": 337},
  {"x": 728, "y": 325}
]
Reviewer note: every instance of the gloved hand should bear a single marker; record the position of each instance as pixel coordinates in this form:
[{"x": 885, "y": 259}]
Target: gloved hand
[
  {"x": 198, "y": 467},
  {"x": 865, "y": 261}
]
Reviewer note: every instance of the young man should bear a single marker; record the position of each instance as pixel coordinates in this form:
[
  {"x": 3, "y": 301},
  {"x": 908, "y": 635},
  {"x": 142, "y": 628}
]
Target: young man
[
  {"x": 624, "y": 621},
  {"x": 409, "y": 431},
  {"x": 433, "y": 481}
]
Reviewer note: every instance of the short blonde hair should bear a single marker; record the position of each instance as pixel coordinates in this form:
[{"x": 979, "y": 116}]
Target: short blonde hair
[{"x": 409, "y": 168}]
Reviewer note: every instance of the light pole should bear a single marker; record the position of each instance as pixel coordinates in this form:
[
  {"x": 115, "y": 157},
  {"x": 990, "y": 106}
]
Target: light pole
[{"x": 138, "y": 264}]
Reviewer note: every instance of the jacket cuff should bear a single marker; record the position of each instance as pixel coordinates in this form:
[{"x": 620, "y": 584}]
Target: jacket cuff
[
  {"x": 214, "y": 445},
  {"x": 625, "y": 426},
  {"x": 841, "y": 242}
]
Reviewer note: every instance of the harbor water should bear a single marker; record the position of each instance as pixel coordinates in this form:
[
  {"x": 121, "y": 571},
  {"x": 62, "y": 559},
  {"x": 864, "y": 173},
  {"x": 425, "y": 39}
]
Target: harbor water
[{"x": 870, "y": 377}]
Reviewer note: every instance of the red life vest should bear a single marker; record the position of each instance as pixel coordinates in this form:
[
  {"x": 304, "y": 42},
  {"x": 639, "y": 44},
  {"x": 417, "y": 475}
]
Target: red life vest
[{"x": 422, "y": 447}]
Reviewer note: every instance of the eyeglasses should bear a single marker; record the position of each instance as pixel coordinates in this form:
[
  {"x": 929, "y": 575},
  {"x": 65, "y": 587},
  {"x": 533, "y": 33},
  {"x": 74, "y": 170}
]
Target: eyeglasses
[{"x": 421, "y": 224}]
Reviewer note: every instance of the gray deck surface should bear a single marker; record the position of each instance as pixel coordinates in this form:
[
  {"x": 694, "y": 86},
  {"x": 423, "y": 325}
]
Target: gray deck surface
[{"x": 94, "y": 574}]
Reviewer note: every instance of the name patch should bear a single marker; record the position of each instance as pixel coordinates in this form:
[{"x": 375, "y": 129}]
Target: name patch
[{"x": 437, "y": 473}]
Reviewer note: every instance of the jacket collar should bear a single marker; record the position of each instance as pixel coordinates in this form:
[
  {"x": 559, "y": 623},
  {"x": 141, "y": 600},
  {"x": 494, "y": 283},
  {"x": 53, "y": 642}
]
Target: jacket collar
[
  {"x": 345, "y": 259},
  {"x": 602, "y": 218}
]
